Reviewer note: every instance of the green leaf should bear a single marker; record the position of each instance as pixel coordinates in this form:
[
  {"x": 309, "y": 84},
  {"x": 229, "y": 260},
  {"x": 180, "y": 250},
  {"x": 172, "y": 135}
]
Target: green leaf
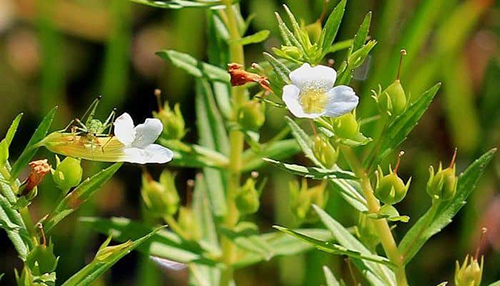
[
  {"x": 180, "y": 4},
  {"x": 255, "y": 38},
  {"x": 280, "y": 68},
  {"x": 335, "y": 248},
  {"x": 79, "y": 196},
  {"x": 213, "y": 135},
  {"x": 377, "y": 274},
  {"x": 31, "y": 148},
  {"x": 12, "y": 129},
  {"x": 304, "y": 141},
  {"x": 433, "y": 221},
  {"x": 495, "y": 283},
  {"x": 331, "y": 27},
  {"x": 362, "y": 34},
  {"x": 246, "y": 236},
  {"x": 12, "y": 223},
  {"x": 311, "y": 172},
  {"x": 399, "y": 129},
  {"x": 388, "y": 212},
  {"x": 203, "y": 212},
  {"x": 283, "y": 245},
  {"x": 164, "y": 244},
  {"x": 277, "y": 150},
  {"x": 330, "y": 278},
  {"x": 194, "y": 67},
  {"x": 288, "y": 36},
  {"x": 104, "y": 261}
]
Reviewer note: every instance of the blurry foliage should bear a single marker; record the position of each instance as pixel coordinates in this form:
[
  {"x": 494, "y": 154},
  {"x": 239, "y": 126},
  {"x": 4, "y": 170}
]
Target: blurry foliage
[{"x": 67, "y": 52}]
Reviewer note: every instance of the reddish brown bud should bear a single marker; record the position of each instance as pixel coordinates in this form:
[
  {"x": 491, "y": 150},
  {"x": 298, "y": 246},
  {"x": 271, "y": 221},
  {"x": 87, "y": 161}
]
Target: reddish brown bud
[
  {"x": 39, "y": 169},
  {"x": 239, "y": 76}
]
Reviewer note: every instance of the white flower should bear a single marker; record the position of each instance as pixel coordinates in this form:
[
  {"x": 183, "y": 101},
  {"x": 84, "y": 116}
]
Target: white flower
[
  {"x": 138, "y": 141},
  {"x": 312, "y": 94},
  {"x": 130, "y": 144}
]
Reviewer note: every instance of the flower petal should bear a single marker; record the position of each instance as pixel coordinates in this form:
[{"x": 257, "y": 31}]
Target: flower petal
[
  {"x": 147, "y": 133},
  {"x": 291, "y": 99},
  {"x": 319, "y": 77},
  {"x": 124, "y": 129},
  {"x": 153, "y": 153},
  {"x": 341, "y": 100}
]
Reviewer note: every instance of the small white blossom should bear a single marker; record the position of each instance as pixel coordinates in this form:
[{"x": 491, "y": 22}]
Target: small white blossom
[
  {"x": 312, "y": 94},
  {"x": 138, "y": 141}
]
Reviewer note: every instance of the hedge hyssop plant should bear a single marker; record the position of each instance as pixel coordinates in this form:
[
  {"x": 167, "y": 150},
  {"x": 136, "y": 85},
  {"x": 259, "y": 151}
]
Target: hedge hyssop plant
[{"x": 212, "y": 234}]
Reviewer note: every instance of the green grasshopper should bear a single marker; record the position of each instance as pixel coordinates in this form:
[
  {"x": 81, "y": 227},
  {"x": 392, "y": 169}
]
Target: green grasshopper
[{"x": 92, "y": 129}]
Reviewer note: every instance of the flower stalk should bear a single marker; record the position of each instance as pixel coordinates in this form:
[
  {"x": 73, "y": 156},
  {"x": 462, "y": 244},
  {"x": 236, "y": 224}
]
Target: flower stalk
[{"x": 381, "y": 225}]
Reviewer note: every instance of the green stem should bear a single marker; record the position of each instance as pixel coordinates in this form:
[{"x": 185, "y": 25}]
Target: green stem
[
  {"x": 236, "y": 141},
  {"x": 381, "y": 225}
]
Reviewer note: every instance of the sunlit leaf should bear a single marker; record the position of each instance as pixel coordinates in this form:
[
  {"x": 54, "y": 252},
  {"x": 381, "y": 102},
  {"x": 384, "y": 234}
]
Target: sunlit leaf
[
  {"x": 332, "y": 26},
  {"x": 311, "y": 172}
]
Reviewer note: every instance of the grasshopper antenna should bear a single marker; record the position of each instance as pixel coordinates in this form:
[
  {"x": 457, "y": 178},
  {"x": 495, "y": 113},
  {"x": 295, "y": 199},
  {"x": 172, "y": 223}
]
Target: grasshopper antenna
[{"x": 89, "y": 114}]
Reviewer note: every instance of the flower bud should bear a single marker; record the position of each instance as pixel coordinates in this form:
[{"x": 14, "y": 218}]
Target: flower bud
[
  {"x": 302, "y": 198},
  {"x": 189, "y": 224},
  {"x": 68, "y": 173},
  {"x": 39, "y": 169},
  {"x": 470, "y": 273},
  {"x": 357, "y": 58},
  {"x": 292, "y": 52},
  {"x": 443, "y": 184},
  {"x": 324, "y": 151},
  {"x": 161, "y": 198},
  {"x": 172, "y": 120},
  {"x": 346, "y": 126},
  {"x": 390, "y": 189},
  {"x": 251, "y": 115},
  {"x": 247, "y": 199}
]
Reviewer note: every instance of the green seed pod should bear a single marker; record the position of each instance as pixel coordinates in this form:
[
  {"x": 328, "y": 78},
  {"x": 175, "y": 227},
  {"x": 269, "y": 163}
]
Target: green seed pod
[
  {"x": 247, "y": 199},
  {"x": 393, "y": 99},
  {"x": 302, "y": 198},
  {"x": 390, "y": 189},
  {"x": 251, "y": 115},
  {"x": 442, "y": 185},
  {"x": 470, "y": 273},
  {"x": 68, "y": 173},
  {"x": 41, "y": 260},
  {"x": 189, "y": 224},
  {"x": 346, "y": 126},
  {"x": 161, "y": 198},
  {"x": 324, "y": 151},
  {"x": 172, "y": 120}
]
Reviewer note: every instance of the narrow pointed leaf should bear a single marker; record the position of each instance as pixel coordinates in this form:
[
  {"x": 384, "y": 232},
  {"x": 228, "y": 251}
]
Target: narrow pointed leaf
[
  {"x": 332, "y": 26},
  {"x": 256, "y": 38},
  {"x": 98, "y": 267},
  {"x": 311, "y": 172},
  {"x": 362, "y": 34},
  {"x": 79, "y": 196},
  {"x": 329, "y": 277},
  {"x": 429, "y": 224},
  {"x": 12, "y": 223},
  {"x": 280, "y": 68},
  {"x": 335, "y": 248},
  {"x": 30, "y": 149},
  {"x": 193, "y": 66}
]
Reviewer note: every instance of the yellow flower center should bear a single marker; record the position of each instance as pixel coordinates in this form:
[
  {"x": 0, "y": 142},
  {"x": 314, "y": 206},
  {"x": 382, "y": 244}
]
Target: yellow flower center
[{"x": 313, "y": 100}]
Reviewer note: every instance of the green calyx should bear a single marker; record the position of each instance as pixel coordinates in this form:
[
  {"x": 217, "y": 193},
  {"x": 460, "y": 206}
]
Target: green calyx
[
  {"x": 302, "y": 198},
  {"x": 346, "y": 126},
  {"x": 442, "y": 185},
  {"x": 325, "y": 152},
  {"x": 172, "y": 120},
  {"x": 161, "y": 198},
  {"x": 390, "y": 189},
  {"x": 470, "y": 273},
  {"x": 247, "y": 200},
  {"x": 251, "y": 115},
  {"x": 392, "y": 100}
]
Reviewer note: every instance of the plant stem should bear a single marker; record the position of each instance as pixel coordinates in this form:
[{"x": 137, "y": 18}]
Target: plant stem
[
  {"x": 172, "y": 223},
  {"x": 381, "y": 225},
  {"x": 236, "y": 141}
]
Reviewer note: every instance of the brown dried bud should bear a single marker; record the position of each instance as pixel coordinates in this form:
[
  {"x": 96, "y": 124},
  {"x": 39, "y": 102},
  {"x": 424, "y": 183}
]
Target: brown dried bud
[
  {"x": 39, "y": 169},
  {"x": 239, "y": 76}
]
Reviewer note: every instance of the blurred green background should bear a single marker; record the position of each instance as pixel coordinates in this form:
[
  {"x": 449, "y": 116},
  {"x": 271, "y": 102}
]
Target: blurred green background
[{"x": 67, "y": 52}]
